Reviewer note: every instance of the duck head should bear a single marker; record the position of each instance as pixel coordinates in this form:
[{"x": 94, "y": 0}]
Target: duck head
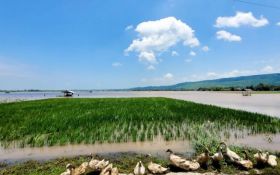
[
  {"x": 148, "y": 155},
  {"x": 169, "y": 151},
  {"x": 70, "y": 166},
  {"x": 246, "y": 154}
]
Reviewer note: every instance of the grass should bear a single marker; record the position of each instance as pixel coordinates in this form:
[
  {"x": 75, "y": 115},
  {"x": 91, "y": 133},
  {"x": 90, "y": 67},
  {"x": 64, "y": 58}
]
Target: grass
[
  {"x": 124, "y": 161},
  {"x": 62, "y": 121}
]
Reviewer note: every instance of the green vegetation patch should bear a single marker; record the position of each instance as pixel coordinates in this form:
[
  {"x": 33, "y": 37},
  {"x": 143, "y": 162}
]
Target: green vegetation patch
[
  {"x": 125, "y": 162},
  {"x": 62, "y": 121}
]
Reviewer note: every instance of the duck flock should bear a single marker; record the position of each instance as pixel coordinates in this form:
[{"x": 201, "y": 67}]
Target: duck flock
[{"x": 103, "y": 167}]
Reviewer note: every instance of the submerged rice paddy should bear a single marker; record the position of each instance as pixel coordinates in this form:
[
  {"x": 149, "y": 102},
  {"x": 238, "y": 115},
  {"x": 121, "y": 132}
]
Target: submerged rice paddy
[{"x": 72, "y": 121}]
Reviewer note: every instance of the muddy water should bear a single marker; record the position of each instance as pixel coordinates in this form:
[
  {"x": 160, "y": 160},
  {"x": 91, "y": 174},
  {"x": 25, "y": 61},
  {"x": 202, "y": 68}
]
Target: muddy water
[
  {"x": 261, "y": 141},
  {"x": 156, "y": 148}
]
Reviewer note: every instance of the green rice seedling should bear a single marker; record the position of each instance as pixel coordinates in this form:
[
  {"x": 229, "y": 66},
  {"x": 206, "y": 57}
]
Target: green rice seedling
[{"x": 63, "y": 121}]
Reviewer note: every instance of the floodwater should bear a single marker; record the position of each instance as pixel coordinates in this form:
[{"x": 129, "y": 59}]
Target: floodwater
[
  {"x": 268, "y": 104},
  {"x": 157, "y": 147}
]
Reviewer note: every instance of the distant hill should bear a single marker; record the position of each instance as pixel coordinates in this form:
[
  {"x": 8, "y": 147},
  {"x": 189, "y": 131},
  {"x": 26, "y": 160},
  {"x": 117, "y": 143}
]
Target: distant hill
[{"x": 240, "y": 82}]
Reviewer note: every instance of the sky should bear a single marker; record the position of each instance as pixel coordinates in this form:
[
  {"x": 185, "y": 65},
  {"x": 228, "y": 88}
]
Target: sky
[{"x": 102, "y": 44}]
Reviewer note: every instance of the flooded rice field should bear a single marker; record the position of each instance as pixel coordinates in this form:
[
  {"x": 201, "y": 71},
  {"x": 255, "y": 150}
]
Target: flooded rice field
[
  {"x": 268, "y": 104},
  {"x": 157, "y": 147}
]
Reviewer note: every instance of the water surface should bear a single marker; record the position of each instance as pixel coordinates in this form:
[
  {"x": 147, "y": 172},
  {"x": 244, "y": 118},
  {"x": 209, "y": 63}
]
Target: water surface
[{"x": 268, "y": 104}]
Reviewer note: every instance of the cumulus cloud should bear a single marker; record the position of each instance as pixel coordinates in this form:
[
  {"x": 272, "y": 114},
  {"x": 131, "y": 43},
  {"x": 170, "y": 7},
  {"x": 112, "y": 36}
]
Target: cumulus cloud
[
  {"x": 267, "y": 69},
  {"x": 241, "y": 19},
  {"x": 174, "y": 53},
  {"x": 158, "y": 36},
  {"x": 278, "y": 24},
  {"x": 147, "y": 56},
  {"x": 227, "y": 36},
  {"x": 192, "y": 53},
  {"x": 129, "y": 27},
  {"x": 116, "y": 64},
  {"x": 205, "y": 49},
  {"x": 168, "y": 76}
]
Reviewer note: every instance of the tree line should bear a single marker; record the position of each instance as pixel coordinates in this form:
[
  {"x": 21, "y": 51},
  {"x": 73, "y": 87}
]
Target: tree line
[{"x": 258, "y": 87}]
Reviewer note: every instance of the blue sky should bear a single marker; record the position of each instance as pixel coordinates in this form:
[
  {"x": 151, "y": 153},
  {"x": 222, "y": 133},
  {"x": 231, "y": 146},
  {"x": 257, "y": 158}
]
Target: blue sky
[{"x": 88, "y": 44}]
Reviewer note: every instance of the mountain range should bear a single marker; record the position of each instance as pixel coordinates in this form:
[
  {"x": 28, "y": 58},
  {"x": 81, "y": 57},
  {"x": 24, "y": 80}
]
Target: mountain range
[{"x": 237, "y": 82}]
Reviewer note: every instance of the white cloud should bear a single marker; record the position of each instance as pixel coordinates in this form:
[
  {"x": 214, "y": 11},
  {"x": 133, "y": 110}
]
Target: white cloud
[
  {"x": 160, "y": 35},
  {"x": 147, "y": 56},
  {"x": 151, "y": 67},
  {"x": 174, "y": 53},
  {"x": 267, "y": 69},
  {"x": 241, "y": 19},
  {"x": 235, "y": 73},
  {"x": 205, "y": 48},
  {"x": 278, "y": 24},
  {"x": 212, "y": 74},
  {"x": 227, "y": 36},
  {"x": 129, "y": 27},
  {"x": 168, "y": 76},
  {"x": 192, "y": 53},
  {"x": 116, "y": 64},
  {"x": 188, "y": 60}
]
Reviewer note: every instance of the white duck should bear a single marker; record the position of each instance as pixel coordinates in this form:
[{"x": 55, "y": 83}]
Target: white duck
[
  {"x": 139, "y": 169},
  {"x": 155, "y": 168},
  {"x": 230, "y": 154},
  {"x": 260, "y": 157},
  {"x": 182, "y": 162},
  {"x": 69, "y": 169},
  {"x": 245, "y": 163},
  {"x": 194, "y": 165},
  {"x": 272, "y": 160},
  {"x": 93, "y": 163},
  {"x": 218, "y": 156},
  {"x": 109, "y": 170},
  {"x": 114, "y": 171},
  {"x": 101, "y": 165},
  {"x": 82, "y": 169}
]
